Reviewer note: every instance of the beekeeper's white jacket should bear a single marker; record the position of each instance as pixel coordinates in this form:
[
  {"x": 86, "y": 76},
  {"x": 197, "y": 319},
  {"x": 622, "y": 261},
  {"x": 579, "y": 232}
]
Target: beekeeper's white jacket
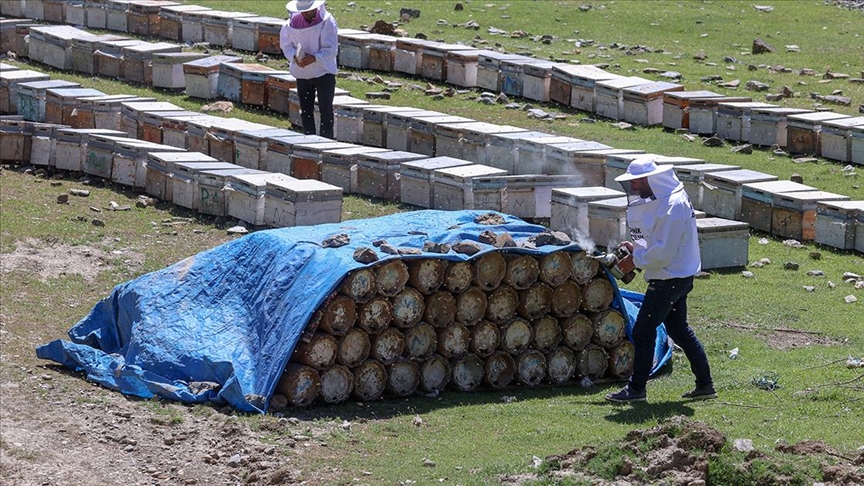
[
  {"x": 665, "y": 242},
  {"x": 321, "y": 41}
]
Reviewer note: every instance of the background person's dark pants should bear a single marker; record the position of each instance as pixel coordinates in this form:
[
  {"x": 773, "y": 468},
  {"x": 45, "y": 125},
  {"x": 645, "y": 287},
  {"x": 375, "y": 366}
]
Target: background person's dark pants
[
  {"x": 326, "y": 87},
  {"x": 666, "y": 302}
]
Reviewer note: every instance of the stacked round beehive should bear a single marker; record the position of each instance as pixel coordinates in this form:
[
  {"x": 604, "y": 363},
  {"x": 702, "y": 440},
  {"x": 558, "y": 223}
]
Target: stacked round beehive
[{"x": 424, "y": 324}]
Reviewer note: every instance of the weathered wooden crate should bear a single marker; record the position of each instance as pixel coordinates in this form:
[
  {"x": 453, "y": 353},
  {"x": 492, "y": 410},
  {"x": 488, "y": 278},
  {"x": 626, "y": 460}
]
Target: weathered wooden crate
[
  {"x": 306, "y": 158},
  {"x": 213, "y": 189},
  {"x": 16, "y": 139},
  {"x": 693, "y": 176},
  {"x": 583, "y": 94},
  {"x": 136, "y": 65},
  {"x": 95, "y": 14},
  {"x": 804, "y": 131},
  {"x": 768, "y": 125},
  {"x": 104, "y": 111},
  {"x": 74, "y": 13},
  {"x": 566, "y": 159},
  {"x": 794, "y": 214},
  {"x": 175, "y": 129},
  {"x": 268, "y": 36},
  {"x": 171, "y": 20},
  {"x": 722, "y": 197},
  {"x": 616, "y": 164},
  {"x": 378, "y": 173},
  {"x": 42, "y": 144},
  {"x": 142, "y": 16},
  {"x": 82, "y": 49},
  {"x": 421, "y": 132},
  {"x": 503, "y": 150},
  {"x": 339, "y": 166},
  {"x": 108, "y": 56},
  {"x": 757, "y": 201},
  {"x": 8, "y": 40},
  {"x": 381, "y": 52},
  {"x": 184, "y": 184},
  {"x": 245, "y": 195},
  {"x": 245, "y": 32},
  {"x": 856, "y": 145},
  {"x": 607, "y": 222},
  {"x": 489, "y": 75},
  {"x": 280, "y": 149},
  {"x": 193, "y": 25},
  {"x": 167, "y": 68},
  {"x": 835, "y": 223},
  {"x": 676, "y": 107},
  {"x": 733, "y": 119},
  {"x": 34, "y": 10},
  {"x": 524, "y": 196},
  {"x": 116, "y": 15},
  {"x": 462, "y": 67},
  {"x": 131, "y": 115},
  {"x": 408, "y": 55},
  {"x": 250, "y": 146},
  {"x": 129, "y": 163},
  {"x": 399, "y": 123},
  {"x": 253, "y": 84},
  {"x": 452, "y": 188},
  {"x": 9, "y": 82},
  {"x": 150, "y": 123},
  {"x": 61, "y": 103},
  {"x": 218, "y": 26},
  {"x": 202, "y": 76},
  {"x": 279, "y": 87},
  {"x": 512, "y": 74},
  {"x": 348, "y": 119},
  {"x": 703, "y": 112},
  {"x": 417, "y": 178},
  {"x": 99, "y": 158},
  {"x": 352, "y": 49},
  {"x": 12, "y": 8},
  {"x": 532, "y": 153},
  {"x": 57, "y": 44},
  {"x": 70, "y": 146},
  {"x": 375, "y": 123},
  {"x": 722, "y": 243},
  {"x": 609, "y": 97},
  {"x": 52, "y": 11},
  {"x": 536, "y": 80},
  {"x": 433, "y": 64},
  {"x": 160, "y": 171},
  {"x": 293, "y": 202},
  {"x": 221, "y": 133},
  {"x": 568, "y": 211},
  {"x": 837, "y": 138},
  {"x": 473, "y": 138},
  {"x": 31, "y": 97},
  {"x": 643, "y": 104}
]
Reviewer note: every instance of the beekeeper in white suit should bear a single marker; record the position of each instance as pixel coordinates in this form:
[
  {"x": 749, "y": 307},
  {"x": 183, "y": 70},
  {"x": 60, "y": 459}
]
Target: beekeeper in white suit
[
  {"x": 665, "y": 246},
  {"x": 310, "y": 42}
]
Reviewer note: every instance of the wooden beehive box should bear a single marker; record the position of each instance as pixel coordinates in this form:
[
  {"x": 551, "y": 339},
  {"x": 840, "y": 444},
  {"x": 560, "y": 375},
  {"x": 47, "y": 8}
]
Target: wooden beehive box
[
  {"x": 131, "y": 115},
  {"x": 768, "y": 125},
  {"x": 167, "y": 68},
  {"x": 253, "y": 84},
  {"x": 202, "y": 76},
  {"x": 175, "y": 129},
  {"x": 607, "y": 222},
  {"x": 57, "y": 44},
  {"x": 31, "y": 97},
  {"x": 60, "y": 103},
  {"x": 407, "y": 55},
  {"x": 803, "y": 131},
  {"x": 837, "y": 138},
  {"x": 399, "y": 123},
  {"x": 278, "y": 88},
  {"x": 213, "y": 189},
  {"x": 835, "y": 223},
  {"x": 116, "y": 15},
  {"x": 8, "y": 37},
  {"x": 693, "y": 176},
  {"x": 99, "y": 158},
  {"x": 74, "y": 13},
  {"x": 250, "y": 146},
  {"x": 83, "y": 48},
  {"x": 525, "y": 196},
  {"x": 536, "y": 80},
  {"x": 14, "y": 8},
  {"x": 142, "y": 16},
  {"x": 42, "y": 143},
  {"x": 70, "y": 146},
  {"x": 160, "y": 170},
  {"x": 352, "y": 51},
  {"x": 150, "y": 123},
  {"x": 856, "y": 145},
  {"x": 561, "y": 82},
  {"x": 339, "y": 166},
  {"x": 268, "y": 36},
  {"x": 218, "y": 26},
  {"x": 757, "y": 201},
  {"x": 381, "y": 52},
  {"x": 171, "y": 20},
  {"x": 34, "y": 10},
  {"x": 137, "y": 60},
  {"x": 704, "y": 110},
  {"x": 104, "y": 111},
  {"x": 193, "y": 25},
  {"x": 221, "y": 133},
  {"x": 279, "y": 151},
  {"x": 733, "y": 119},
  {"x": 722, "y": 197},
  {"x": 452, "y": 188},
  {"x": 569, "y": 208},
  {"x": 129, "y": 163},
  {"x": 375, "y": 123},
  {"x": 475, "y": 138},
  {"x": 184, "y": 187},
  {"x": 95, "y": 14},
  {"x": 107, "y": 58},
  {"x": 794, "y": 214},
  {"x": 292, "y": 202},
  {"x": 512, "y": 74},
  {"x": 566, "y": 159},
  {"x": 722, "y": 243},
  {"x": 16, "y": 140},
  {"x": 245, "y": 32},
  {"x": 245, "y": 195},
  {"x": 52, "y": 11},
  {"x": 532, "y": 153},
  {"x": 421, "y": 134},
  {"x": 378, "y": 173},
  {"x": 489, "y": 69},
  {"x": 609, "y": 97},
  {"x": 462, "y": 67},
  {"x": 583, "y": 95},
  {"x": 433, "y": 65},
  {"x": 306, "y": 158},
  {"x": 348, "y": 119},
  {"x": 643, "y": 104},
  {"x": 676, "y": 107},
  {"x": 417, "y": 177}
]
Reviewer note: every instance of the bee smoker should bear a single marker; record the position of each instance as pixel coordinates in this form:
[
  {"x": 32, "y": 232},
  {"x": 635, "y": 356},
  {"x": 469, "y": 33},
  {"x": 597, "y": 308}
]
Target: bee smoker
[{"x": 619, "y": 262}]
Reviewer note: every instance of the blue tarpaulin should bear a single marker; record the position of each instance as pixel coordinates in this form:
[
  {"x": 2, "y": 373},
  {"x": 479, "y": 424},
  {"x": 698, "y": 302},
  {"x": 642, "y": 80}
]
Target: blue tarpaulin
[{"x": 232, "y": 315}]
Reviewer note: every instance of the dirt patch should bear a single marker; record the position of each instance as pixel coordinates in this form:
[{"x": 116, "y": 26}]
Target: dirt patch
[
  {"x": 52, "y": 259},
  {"x": 789, "y": 339}
]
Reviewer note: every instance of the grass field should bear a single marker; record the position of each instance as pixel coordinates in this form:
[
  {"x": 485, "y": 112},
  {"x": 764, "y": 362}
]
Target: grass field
[{"x": 780, "y": 329}]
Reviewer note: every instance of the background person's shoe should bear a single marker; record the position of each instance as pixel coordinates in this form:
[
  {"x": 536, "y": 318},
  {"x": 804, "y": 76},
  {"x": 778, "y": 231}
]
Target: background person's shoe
[
  {"x": 703, "y": 393},
  {"x": 625, "y": 395}
]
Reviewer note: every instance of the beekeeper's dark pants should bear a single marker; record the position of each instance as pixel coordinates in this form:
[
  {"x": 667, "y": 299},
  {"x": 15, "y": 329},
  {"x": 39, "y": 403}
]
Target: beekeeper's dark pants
[{"x": 326, "y": 87}]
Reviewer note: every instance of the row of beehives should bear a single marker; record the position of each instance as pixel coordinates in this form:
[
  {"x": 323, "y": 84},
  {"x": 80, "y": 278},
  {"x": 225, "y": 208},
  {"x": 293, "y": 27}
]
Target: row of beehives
[
  {"x": 496, "y": 320},
  {"x": 454, "y": 182},
  {"x": 588, "y": 88}
]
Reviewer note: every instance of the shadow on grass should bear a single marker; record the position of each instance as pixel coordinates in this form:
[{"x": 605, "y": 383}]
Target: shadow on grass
[{"x": 638, "y": 413}]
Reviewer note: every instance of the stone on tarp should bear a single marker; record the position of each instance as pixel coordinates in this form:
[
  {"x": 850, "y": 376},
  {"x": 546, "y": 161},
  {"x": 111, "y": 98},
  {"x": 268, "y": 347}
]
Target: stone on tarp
[
  {"x": 364, "y": 254},
  {"x": 466, "y": 247},
  {"x": 337, "y": 240}
]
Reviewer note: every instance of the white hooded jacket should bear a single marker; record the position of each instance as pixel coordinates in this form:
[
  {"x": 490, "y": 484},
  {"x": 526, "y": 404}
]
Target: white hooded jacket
[
  {"x": 663, "y": 230},
  {"x": 321, "y": 41}
]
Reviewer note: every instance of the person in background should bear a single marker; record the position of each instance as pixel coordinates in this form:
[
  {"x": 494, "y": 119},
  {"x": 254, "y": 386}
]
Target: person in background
[
  {"x": 665, "y": 245},
  {"x": 309, "y": 40}
]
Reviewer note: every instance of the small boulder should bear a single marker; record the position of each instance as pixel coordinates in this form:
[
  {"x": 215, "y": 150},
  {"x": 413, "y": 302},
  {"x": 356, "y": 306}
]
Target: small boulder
[
  {"x": 466, "y": 247},
  {"x": 337, "y": 240},
  {"x": 364, "y": 254},
  {"x": 762, "y": 47}
]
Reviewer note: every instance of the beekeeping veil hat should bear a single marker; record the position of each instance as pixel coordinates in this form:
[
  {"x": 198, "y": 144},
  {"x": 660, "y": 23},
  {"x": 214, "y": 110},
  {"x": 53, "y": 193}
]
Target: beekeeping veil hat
[
  {"x": 296, "y": 6},
  {"x": 642, "y": 167}
]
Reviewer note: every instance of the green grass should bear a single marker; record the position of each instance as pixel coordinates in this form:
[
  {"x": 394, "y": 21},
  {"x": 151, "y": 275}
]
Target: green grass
[{"x": 811, "y": 403}]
